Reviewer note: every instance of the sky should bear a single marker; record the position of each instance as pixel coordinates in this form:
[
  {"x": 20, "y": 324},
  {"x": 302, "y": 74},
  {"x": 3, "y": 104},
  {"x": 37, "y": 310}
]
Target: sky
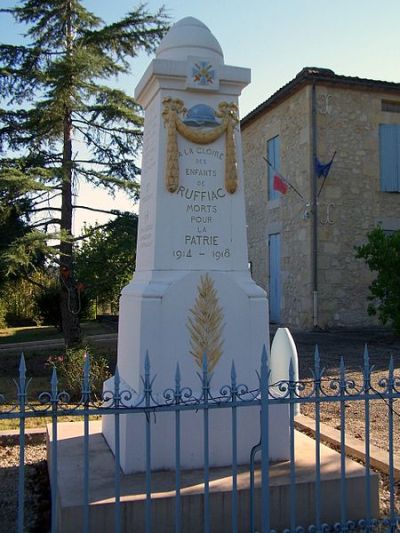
[{"x": 275, "y": 39}]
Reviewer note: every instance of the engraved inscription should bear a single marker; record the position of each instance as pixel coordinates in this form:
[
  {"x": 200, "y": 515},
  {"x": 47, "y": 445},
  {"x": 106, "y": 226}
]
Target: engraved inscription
[{"x": 205, "y": 231}]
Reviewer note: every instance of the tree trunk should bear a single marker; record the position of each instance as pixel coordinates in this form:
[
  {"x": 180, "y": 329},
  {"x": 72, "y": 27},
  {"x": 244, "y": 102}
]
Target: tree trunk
[{"x": 70, "y": 303}]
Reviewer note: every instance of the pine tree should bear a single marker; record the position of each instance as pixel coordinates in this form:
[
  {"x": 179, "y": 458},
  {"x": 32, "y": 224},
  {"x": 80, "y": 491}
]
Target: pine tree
[{"x": 54, "y": 101}]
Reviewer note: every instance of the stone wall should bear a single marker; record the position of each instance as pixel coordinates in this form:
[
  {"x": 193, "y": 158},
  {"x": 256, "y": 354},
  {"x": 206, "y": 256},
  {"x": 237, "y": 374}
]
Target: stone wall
[
  {"x": 350, "y": 203},
  {"x": 288, "y": 214},
  {"x": 348, "y": 121}
]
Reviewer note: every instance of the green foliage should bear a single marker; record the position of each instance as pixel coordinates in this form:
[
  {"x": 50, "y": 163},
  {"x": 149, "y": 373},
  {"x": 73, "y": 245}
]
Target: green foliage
[
  {"x": 26, "y": 254},
  {"x": 53, "y": 82},
  {"x": 19, "y": 299},
  {"x": 14, "y": 230},
  {"x": 54, "y": 99},
  {"x": 70, "y": 368},
  {"x": 382, "y": 255},
  {"x": 3, "y": 310},
  {"x": 48, "y": 302},
  {"x": 106, "y": 259}
]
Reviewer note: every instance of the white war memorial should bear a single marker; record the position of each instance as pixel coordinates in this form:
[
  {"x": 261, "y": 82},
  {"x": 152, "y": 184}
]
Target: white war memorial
[{"x": 192, "y": 292}]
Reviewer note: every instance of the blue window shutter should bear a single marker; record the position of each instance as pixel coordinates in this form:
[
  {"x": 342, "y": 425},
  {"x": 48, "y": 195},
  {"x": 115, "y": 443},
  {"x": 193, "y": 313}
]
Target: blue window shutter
[
  {"x": 274, "y": 157},
  {"x": 270, "y": 156},
  {"x": 274, "y": 296},
  {"x": 389, "y": 150},
  {"x": 277, "y": 146}
]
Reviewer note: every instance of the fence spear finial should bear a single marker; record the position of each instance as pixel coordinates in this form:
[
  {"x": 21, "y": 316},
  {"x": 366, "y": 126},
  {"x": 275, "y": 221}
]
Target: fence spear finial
[
  {"x": 54, "y": 381},
  {"x": 22, "y": 374},
  {"x": 233, "y": 372},
  {"x": 317, "y": 362},
  {"x": 22, "y": 365}
]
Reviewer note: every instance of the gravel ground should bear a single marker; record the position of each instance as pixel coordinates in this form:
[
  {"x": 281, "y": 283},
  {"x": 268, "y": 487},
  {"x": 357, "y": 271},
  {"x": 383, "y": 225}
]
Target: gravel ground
[
  {"x": 37, "y": 494},
  {"x": 331, "y": 346},
  {"x": 350, "y": 345}
]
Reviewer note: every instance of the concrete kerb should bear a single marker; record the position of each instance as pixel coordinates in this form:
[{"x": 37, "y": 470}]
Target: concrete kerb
[
  {"x": 354, "y": 448},
  {"x": 379, "y": 459}
]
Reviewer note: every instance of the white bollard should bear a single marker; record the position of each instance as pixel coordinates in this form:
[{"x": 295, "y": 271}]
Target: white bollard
[{"x": 284, "y": 351}]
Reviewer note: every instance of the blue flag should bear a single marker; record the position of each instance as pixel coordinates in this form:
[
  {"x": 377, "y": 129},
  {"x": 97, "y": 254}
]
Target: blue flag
[{"x": 322, "y": 169}]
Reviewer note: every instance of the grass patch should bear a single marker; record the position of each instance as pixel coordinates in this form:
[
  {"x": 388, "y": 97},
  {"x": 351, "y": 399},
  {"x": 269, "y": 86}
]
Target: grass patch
[
  {"x": 39, "y": 371},
  {"x": 36, "y": 386},
  {"x": 39, "y": 421},
  {"x": 9, "y": 390},
  {"x": 28, "y": 334},
  {"x": 41, "y": 333}
]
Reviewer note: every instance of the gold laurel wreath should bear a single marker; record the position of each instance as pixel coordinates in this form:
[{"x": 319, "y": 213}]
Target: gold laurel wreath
[{"x": 228, "y": 112}]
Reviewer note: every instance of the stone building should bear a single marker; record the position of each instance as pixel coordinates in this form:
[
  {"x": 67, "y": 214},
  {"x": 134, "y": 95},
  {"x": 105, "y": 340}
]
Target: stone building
[{"x": 301, "y": 244}]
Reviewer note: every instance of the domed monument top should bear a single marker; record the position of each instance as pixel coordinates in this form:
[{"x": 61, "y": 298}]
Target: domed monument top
[
  {"x": 190, "y": 58},
  {"x": 190, "y": 37}
]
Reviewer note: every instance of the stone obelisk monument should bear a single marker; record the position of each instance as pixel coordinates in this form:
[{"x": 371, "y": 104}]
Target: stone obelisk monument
[{"x": 192, "y": 291}]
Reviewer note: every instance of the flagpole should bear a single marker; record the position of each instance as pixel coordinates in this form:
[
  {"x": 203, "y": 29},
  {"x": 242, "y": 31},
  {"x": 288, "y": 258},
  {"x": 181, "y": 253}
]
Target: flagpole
[{"x": 283, "y": 178}]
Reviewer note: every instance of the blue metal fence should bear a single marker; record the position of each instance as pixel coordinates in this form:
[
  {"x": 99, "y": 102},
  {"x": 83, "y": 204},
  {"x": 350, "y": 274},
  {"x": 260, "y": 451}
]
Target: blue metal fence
[{"x": 317, "y": 391}]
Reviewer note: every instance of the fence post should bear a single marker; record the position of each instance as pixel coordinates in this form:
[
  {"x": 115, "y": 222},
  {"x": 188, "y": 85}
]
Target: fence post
[
  {"x": 116, "y": 402},
  {"x": 390, "y": 389},
  {"x": 343, "y": 483},
  {"x": 366, "y": 390},
  {"x": 54, "y": 468},
  {"x": 317, "y": 392},
  {"x": 264, "y": 375},
  {"x": 292, "y": 389},
  {"x": 147, "y": 396},
  {"x": 178, "y": 398},
  {"x": 205, "y": 395},
  {"x": 86, "y": 400},
  {"x": 234, "y": 449},
  {"x": 21, "y": 471}
]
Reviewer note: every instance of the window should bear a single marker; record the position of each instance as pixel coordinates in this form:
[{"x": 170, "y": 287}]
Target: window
[
  {"x": 389, "y": 225},
  {"x": 389, "y": 150},
  {"x": 391, "y": 106},
  {"x": 274, "y": 157}
]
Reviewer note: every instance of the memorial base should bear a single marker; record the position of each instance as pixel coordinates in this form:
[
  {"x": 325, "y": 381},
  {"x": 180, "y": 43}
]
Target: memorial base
[
  {"x": 156, "y": 310},
  {"x": 133, "y": 497},
  {"x": 163, "y": 436}
]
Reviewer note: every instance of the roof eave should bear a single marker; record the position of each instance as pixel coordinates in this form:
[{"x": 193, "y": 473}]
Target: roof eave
[{"x": 308, "y": 76}]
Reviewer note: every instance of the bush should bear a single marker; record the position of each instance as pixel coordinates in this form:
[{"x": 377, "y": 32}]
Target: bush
[
  {"x": 3, "y": 311},
  {"x": 19, "y": 300},
  {"x": 48, "y": 303},
  {"x": 382, "y": 255},
  {"x": 70, "y": 367}
]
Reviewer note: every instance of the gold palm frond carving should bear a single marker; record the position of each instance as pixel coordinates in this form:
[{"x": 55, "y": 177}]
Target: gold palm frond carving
[{"x": 205, "y": 324}]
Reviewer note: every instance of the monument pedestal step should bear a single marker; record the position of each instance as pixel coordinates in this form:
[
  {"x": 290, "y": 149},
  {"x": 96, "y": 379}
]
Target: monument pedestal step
[{"x": 133, "y": 496}]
